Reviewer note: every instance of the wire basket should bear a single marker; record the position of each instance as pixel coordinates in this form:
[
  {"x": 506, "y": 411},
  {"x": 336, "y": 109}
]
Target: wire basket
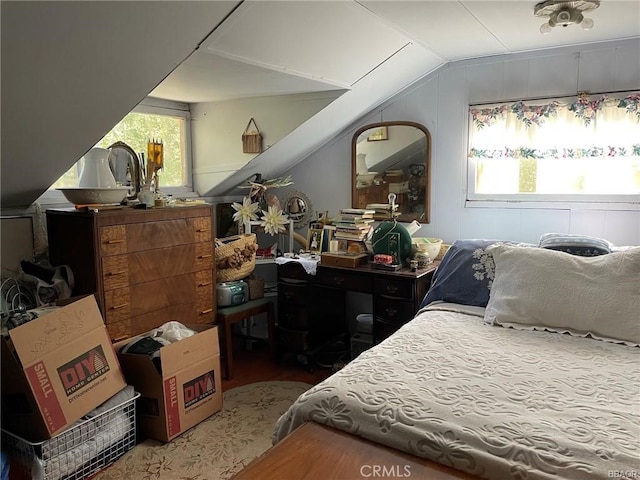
[
  {"x": 235, "y": 257},
  {"x": 78, "y": 452}
]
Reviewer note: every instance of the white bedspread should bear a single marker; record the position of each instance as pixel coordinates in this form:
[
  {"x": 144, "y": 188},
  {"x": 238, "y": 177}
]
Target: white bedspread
[{"x": 492, "y": 401}]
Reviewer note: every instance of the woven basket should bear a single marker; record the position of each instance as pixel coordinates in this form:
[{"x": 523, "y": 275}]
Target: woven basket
[
  {"x": 235, "y": 257},
  {"x": 251, "y": 140}
]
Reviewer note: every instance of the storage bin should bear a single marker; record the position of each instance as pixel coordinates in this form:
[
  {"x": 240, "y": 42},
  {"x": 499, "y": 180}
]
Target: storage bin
[{"x": 78, "y": 452}]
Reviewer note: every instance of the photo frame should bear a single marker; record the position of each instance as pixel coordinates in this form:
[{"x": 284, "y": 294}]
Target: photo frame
[
  {"x": 322, "y": 216},
  {"x": 226, "y": 226},
  {"x": 379, "y": 134},
  {"x": 314, "y": 239}
]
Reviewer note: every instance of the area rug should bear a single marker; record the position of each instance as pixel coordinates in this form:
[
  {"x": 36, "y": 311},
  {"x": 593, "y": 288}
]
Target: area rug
[{"x": 220, "y": 446}]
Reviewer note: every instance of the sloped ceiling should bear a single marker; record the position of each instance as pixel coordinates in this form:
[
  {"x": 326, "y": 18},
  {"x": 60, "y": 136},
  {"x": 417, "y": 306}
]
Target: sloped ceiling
[{"x": 71, "y": 70}]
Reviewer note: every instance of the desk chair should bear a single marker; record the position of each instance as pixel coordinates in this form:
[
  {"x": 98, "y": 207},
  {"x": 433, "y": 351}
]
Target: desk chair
[{"x": 227, "y": 316}]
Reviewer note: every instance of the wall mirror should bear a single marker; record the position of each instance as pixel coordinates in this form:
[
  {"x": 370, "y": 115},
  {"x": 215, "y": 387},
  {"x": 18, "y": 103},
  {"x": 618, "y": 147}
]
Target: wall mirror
[
  {"x": 392, "y": 157},
  {"x": 126, "y": 168},
  {"x": 298, "y": 206}
]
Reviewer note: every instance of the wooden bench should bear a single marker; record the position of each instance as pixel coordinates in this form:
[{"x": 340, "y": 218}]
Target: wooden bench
[
  {"x": 318, "y": 452},
  {"x": 227, "y": 316}
]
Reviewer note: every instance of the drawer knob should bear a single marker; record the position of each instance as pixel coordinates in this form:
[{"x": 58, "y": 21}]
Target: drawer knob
[
  {"x": 391, "y": 311},
  {"x": 202, "y": 230},
  {"x": 119, "y": 272},
  {"x": 338, "y": 280},
  {"x": 111, "y": 242},
  {"x": 116, "y": 307},
  {"x": 204, "y": 284},
  {"x": 288, "y": 295},
  {"x": 208, "y": 310},
  {"x": 208, "y": 255},
  {"x": 392, "y": 288}
]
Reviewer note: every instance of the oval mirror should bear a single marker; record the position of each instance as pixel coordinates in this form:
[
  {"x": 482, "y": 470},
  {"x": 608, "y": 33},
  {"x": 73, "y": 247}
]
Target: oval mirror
[
  {"x": 392, "y": 157},
  {"x": 298, "y": 206},
  {"x": 126, "y": 168}
]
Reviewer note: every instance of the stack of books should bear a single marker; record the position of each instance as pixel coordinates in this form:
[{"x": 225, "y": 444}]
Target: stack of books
[
  {"x": 382, "y": 211},
  {"x": 353, "y": 224}
]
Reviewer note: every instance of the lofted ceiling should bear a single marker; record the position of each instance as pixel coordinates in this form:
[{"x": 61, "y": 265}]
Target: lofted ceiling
[
  {"x": 67, "y": 82},
  {"x": 274, "y": 47}
]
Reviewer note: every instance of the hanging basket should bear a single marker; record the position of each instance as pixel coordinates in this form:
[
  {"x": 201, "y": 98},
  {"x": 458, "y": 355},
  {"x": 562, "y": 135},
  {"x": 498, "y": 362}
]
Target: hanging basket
[
  {"x": 235, "y": 257},
  {"x": 251, "y": 140}
]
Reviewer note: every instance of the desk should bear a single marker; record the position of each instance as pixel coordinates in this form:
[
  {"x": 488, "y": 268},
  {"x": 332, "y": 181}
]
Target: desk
[{"x": 312, "y": 308}]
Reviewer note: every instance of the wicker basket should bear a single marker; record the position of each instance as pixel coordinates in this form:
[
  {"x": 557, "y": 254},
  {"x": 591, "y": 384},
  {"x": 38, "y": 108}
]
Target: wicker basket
[
  {"x": 235, "y": 257},
  {"x": 251, "y": 140}
]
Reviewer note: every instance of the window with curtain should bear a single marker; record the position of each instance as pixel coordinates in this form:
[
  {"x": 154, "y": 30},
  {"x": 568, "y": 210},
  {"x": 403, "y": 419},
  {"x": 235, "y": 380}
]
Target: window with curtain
[{"x": 584, "y": 148}]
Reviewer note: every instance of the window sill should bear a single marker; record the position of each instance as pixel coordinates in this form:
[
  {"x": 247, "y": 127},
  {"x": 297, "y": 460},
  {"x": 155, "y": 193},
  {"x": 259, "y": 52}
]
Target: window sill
[{"x": 622, "y": 206}]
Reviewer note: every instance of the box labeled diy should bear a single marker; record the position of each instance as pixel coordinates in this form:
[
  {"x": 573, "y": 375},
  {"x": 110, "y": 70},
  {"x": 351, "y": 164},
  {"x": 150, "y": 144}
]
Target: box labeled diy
[
  {"x": 57, "y": 368},
  {"x": 185, "y": 392}
]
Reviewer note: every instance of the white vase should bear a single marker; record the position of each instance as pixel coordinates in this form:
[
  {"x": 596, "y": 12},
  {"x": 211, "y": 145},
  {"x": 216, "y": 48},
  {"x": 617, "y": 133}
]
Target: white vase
[{"x": 96, "y": 171}]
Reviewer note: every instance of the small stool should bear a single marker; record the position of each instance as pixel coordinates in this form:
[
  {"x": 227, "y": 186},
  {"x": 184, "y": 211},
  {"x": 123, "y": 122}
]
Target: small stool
[{"x": 227, "y": 316}]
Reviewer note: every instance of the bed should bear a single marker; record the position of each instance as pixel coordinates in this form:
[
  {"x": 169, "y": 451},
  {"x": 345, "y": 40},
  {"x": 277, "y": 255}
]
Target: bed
[{"x": 534, "y": 375}]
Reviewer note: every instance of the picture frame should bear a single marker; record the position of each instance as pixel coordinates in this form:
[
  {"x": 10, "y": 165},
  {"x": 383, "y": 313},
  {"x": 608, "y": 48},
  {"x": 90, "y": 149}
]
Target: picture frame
[
  {"x": 323, "y": 215},
  {"x": 379, "y": 134},
  {"x": 314, "y": 239},
  {"x": 226, "y": 226}
]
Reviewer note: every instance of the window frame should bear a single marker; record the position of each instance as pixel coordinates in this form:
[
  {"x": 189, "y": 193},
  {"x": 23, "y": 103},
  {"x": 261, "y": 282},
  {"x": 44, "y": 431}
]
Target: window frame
[
  {"x": 536, "y": 200},
  {"x": 152, "y": 106}
]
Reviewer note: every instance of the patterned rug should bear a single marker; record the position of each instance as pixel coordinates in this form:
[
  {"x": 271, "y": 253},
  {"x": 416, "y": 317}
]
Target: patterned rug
[{"x": 218, "y": 447}]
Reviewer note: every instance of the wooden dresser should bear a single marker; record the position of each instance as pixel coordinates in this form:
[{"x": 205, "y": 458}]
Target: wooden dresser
[{"x": 146, "y": 267}]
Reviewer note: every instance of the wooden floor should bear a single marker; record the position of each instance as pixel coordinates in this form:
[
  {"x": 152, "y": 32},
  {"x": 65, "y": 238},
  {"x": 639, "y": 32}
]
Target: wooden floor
[{"x": 256, "y": 365}]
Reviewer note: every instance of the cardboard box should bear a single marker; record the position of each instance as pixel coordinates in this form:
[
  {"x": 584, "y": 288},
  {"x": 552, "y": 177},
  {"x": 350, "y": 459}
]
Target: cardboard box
[
  {"x": 187, "y": 391},
  {"x": 57, "y": 368},
  {"x": 343, "y": 259}
]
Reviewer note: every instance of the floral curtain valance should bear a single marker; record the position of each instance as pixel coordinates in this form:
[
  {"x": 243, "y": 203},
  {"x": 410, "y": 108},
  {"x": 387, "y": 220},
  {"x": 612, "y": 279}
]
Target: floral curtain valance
[{"x": 576, "y": 127}]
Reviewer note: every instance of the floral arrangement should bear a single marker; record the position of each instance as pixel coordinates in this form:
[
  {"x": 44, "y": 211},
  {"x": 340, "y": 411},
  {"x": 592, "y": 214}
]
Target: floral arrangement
[{"x": 260, "y": 206}]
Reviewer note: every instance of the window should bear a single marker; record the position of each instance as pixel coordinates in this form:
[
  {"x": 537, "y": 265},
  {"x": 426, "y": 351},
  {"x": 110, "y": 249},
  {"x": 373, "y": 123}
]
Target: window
[
  {"x": 170, "y": 125},
  {"x": 583, "y": 149}
]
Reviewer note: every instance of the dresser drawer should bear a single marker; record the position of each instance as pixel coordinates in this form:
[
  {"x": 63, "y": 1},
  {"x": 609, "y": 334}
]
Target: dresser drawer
[
  {"x": 292, "y": 340},
  {"x": 166, "y": 233},
  {"x": 204, "y": 256},
  {"x": 294, "y": 294},
  {"x": 292, "y": 270},
  {"x": 167, "y": 262},
  {"x": 383, "y": 329},
  {"x": 117, "y": 305},
  {"x": 296, "y": 318},
  {"x": 393, "y": 287},
  {"x": 115, "y": 272},
  {"x": 113, "y": 240},
  {"x": 201, "y": 229},
  {"x": 204, "y": 291},
  {"x": 343, "y": 279},
  {"x": 393, "y": 310},
  {"x": 185, "y": 313}
]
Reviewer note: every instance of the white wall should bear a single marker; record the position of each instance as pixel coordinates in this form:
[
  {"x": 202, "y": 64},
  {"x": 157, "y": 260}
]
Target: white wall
[
  {"x": 217, "y": 127},
  {"x": 440, "y": 102}
]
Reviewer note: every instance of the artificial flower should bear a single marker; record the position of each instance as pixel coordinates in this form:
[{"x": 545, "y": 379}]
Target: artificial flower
[
  {"x": 273, "y": 220},
  {"x": 246, "y": 211}
]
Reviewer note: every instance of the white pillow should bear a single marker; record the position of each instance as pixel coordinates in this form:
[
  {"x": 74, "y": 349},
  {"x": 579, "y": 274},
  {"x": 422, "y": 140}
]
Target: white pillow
[{"x": 535, "y": 288}]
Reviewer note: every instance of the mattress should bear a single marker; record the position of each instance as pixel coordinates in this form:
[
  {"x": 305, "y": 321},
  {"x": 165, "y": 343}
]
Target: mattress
[{"x": 492, "y": 401}]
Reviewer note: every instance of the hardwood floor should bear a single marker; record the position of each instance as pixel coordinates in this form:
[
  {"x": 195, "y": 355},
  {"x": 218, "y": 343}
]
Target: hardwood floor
[{"x": 256, "y": 365}]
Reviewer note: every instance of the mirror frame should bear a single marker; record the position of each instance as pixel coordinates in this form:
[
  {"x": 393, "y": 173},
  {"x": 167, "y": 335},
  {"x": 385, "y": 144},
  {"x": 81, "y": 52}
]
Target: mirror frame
[
  {"x": 135, "y": 168},
  {"x": 427, "y": 199},
  {"x": 306, "y": 217}
]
